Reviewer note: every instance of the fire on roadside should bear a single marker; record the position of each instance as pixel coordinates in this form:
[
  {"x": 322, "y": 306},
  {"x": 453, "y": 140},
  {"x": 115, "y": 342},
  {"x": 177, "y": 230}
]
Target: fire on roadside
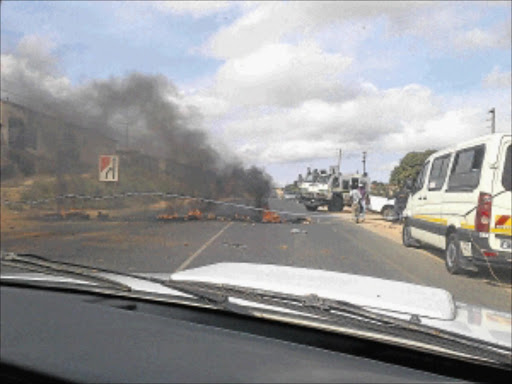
[
  {"x": 195, "y": 214},
  {"x": 270, "y": 217}
]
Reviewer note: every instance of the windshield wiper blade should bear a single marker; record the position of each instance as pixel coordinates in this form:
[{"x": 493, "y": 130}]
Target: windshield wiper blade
[
  {"x": 346, "y": 314},
  {"x": 47, "y": 266},
  {"x": 43, "y": 265}
]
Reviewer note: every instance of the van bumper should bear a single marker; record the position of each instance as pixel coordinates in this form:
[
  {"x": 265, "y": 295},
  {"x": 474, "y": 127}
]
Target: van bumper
[{"x": 480, "y": 245}]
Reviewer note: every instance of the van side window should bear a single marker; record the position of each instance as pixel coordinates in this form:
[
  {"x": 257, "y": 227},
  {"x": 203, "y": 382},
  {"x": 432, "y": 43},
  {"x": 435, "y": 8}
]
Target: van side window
[
  {"x": 438, "y": 173},
  {"x": 506, "y": 179},
  {"x": 420, "y": 180},
  {"x": 467, "y": 164}
]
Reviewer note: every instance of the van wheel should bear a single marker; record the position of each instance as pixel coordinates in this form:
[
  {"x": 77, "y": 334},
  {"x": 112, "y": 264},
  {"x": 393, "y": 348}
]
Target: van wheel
[
  {"x": 311, "y": 208},
  {"x": 407, "y": 238},
  {"x": 453, "y": 255}
]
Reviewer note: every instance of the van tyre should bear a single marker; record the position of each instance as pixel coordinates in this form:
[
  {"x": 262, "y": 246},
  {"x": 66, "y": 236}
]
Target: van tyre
[
  {"x": 407, "y": 238},
  {"x": 311, "y": 208},
  {"x": 453, "y": 255}
]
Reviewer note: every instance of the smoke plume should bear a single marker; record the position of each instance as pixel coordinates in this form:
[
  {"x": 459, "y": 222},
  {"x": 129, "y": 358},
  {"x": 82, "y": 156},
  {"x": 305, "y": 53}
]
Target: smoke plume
[{"x": 143, "y": 112}]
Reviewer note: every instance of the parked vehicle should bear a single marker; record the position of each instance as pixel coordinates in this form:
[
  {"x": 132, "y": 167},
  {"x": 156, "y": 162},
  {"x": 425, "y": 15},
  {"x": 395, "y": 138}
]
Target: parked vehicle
[
  {"x": 383, "y": 205},
  {"x": 329, "y": 189},
  {"x": 461, "y": 202}
]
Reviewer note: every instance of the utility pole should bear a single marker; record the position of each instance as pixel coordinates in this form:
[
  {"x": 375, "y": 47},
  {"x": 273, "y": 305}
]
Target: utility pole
[
  {"x": 492, "y": 111},
  {"x": 364, "y": 164},
  {"x": 339, "y": 161}
]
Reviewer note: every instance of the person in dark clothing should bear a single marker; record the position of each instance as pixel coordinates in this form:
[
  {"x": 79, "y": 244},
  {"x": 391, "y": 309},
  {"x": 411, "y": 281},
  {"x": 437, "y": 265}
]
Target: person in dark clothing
[{"x": 401, "y": 198}]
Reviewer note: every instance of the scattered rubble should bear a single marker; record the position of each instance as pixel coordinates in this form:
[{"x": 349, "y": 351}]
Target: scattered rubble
[
  {"x": 234, "y": 245},
  {"x": 102, "y": 216},
  {"x": 71, "y": 215}
]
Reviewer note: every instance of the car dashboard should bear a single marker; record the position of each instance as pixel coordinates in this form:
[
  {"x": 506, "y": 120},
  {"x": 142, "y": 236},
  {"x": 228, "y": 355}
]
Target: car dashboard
[{"x": 72, "y": 336}]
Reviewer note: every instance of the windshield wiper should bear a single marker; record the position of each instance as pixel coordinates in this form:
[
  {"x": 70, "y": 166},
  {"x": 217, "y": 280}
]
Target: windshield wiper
[
  {"x": 346, "y": 314},
  {"x": 43, "y": 265},
  {"x": 95, "y": 275}
]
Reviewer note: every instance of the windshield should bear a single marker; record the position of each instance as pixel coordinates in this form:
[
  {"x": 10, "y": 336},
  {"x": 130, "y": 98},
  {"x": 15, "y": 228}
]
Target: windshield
[{"x": 157, "y": 137}]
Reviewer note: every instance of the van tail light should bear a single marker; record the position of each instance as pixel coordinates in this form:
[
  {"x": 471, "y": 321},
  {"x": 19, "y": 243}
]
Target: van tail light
[
  {"x": 483, "y": 212},
  {"x": 490, "y": 254}
]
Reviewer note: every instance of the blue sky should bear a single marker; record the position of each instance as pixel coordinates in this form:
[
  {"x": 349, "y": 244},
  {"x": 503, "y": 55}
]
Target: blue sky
[{"x": 283, "y": 85}]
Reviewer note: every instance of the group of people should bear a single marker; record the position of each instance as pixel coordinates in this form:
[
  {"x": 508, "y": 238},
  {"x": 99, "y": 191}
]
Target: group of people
[{"x": 360, "y": 199}]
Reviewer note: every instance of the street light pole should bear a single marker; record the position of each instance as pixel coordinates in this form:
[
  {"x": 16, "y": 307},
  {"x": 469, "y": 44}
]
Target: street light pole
[
  {"x": 492, "y": 111},
  {"x": 364, "y": 163},
  {"x": 339, "y": 161}
]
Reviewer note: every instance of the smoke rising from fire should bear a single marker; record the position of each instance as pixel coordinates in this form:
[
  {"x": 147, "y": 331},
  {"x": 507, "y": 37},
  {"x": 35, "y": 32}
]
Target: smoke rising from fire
[{"x": 143, "y": 112}]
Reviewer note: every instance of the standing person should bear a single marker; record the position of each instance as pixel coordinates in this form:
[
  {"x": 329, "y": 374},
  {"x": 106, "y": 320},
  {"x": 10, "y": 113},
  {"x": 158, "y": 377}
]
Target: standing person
[
  {"x": 401, "y": 198},
  {"x": 362, "y": 200},
  {"x": 355, "y": 196}
]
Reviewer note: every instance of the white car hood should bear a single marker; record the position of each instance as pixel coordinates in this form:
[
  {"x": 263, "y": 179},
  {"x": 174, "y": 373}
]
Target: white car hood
[
  {"x": 435, "y": 307},
  {"x": 366, "y": 291}
]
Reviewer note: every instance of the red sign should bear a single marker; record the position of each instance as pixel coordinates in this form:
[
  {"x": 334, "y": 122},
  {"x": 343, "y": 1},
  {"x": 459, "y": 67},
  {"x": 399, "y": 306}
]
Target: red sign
[{"x": 109, "y": 168}]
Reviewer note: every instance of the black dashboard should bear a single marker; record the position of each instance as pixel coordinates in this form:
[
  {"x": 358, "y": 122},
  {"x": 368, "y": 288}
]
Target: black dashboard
[{"x": 80, "y": 337}]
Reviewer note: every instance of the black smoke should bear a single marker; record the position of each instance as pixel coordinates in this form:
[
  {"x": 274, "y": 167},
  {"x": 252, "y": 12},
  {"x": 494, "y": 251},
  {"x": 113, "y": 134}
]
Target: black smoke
[{"x": 143, "y": 112}]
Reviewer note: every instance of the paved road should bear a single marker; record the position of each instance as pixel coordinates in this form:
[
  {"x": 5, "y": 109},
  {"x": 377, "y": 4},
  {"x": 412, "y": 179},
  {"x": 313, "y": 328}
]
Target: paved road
[{"x": 330, "y": 242}]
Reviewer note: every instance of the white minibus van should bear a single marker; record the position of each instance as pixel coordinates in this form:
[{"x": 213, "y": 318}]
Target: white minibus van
[{"x": 461, "y": 203}]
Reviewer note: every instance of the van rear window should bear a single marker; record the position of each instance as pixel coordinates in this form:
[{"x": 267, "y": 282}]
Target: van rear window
[
  {"x": 506, "y": 179},
  {"x": 465, "y": 173}
]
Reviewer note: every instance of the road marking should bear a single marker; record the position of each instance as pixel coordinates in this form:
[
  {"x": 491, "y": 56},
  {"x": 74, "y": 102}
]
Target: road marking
[{"x": 203, "y": 247}]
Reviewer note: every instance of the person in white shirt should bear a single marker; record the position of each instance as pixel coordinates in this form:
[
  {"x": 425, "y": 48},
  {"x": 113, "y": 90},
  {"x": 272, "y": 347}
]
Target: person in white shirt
[
  {"x": 356, "y": 198},
  {"x": 355, "y": 195}
]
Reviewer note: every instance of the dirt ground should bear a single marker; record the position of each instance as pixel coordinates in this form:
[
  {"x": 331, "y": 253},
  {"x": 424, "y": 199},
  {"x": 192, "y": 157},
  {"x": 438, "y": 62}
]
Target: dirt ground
[{"x": 375, "y": 222}]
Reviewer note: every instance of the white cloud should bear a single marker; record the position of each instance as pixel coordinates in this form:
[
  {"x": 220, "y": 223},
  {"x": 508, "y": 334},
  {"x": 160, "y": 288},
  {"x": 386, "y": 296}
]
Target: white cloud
[
  {"x": 290, "y": 89},
  {"x": 477, "y": 38},
  {"x": 394, "y": 120},
  {"x": 211, "y": 107},
  {"x": 282, "y": 74},
  {"x": 442, "y": 25},
  {"x": 194, "y": 8},
  {"x": 387, "y": 167},
  {"x": 497, "y": 79},
  {"x": 33, "y": 62},
  {"x": 317, "y": 127},
  {"x": 271, "y": 22}
]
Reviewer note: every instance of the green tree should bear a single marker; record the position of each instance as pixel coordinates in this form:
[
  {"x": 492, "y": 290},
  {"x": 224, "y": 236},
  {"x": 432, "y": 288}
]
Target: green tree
[
  {"x": 291, "y": 188},
  {"x": 378, "y": 188},
  {"x": 409, "y": 167}
]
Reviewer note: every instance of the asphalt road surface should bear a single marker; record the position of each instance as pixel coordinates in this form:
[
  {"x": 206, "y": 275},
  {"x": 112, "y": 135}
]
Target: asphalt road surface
[{"x": 330, "y": 242}]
